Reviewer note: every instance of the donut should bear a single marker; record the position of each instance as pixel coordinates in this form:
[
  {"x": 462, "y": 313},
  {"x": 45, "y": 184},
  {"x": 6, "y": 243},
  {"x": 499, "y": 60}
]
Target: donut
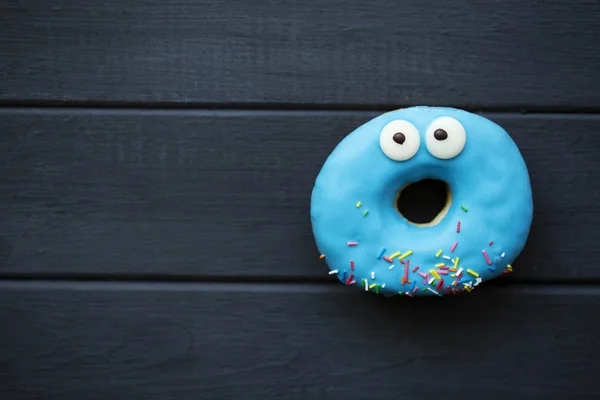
[{"x": 368, "y": 243}]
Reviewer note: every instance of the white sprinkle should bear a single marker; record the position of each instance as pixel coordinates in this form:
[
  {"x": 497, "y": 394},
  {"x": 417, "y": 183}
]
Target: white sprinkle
[
  {"x": 453, "y": 261},
  {"x": 446, "y": 257},
  {"x": 391, "y": 266},
  {"x": 382, "y": 286},
  {"x": 478, "y": 281},
  {"x": 372, "y": 275},
  {"x": 502, "y": 255},
  {"x": 460, "y": 271},
  {"x": 335, "y": 271},
  {"x": 431, "y": 290},
  {"x": 366, "y": 285},
  {"x": 431, "y": 280}
]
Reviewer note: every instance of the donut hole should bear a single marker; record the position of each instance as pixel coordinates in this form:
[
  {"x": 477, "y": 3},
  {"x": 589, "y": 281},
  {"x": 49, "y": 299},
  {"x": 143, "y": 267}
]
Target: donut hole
[{"x": 424, "y": 203}]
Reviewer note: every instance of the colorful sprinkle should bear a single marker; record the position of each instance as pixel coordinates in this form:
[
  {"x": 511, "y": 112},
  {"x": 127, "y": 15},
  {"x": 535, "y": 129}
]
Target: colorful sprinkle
[
  {"x": 396, "y": 254},
  {"x": 475, "y": 274},
  {"x": 335, "y": 271},
  {"x": 351, "y": 283},
  {"x": 487, "y": 258},
  {"x": 440, "y": 285},
  {"x": 352, "y": 243},
  {"x": 431, "y": 290},
  {"x": 352, "y": 265},
  {"x": 408, "y": 294},
  {"x": 453, "y": 247},
  {"x": 343, "y": 275},
  {"x": 377, "y": 289},
  {"x": 366, "y": 285},
  {"x": 446, "y": 257},
  {"x": 438, "y": 253},
  {"x": 443, "y": 268},
  {"x": 491, "y": 243},
  {"x": 459, "y": 273},
  {"x": 434, "y": 273},
  {"x": 502, "y": 255},
  {"x": 458, "y": 227},
  {"x": 405, "y": 279},
  {"x": 372, "y": 275},
  {"x": 423, "y": 275},
  {"x": 456, "y": 262},
  {"x": 366, "y": 213},
  {"x": 391, "y": 266},
  {"x": 510, "y": 268},
  {"x": 322, "y": 256},
  {"x": 358, "y": 204},
  {"x": 415, "y": 269},
  {"x": 383, "y": 286},
  {"x": 349, "y": 279},
  {"x": 492, "y": 268},
  {"x": 442, "y": 272},
  {"x": 372, "y": 286},
  {"x": 388, "y": 259},
  {"x": 439, "y": 265},
  {"x": 477, "y": 281},
  {"x": 464, "y": 208},
  {"x": 381, "y": 253},
  {"x": 467, "y": 288},
  {"x": 415, "y": 288},
  {"x": 408, "y": 253}
]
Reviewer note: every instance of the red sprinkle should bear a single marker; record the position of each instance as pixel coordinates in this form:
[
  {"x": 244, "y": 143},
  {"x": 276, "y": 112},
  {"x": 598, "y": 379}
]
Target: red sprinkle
[
  {"x": 406, "y": 271},
  {"x": 352, "y": 283},
  {"x": 448, "y": 289},
  {"x": 444, "y": 267},
  {"x": 349, "y": 279},
  {"x": 408, "y": 294},
  {"x": 352, "y": 265},
  {"x": 415, "y": 269},
  {"x": 442, "y": 272},
  {"x": 386, "y": 258},
  {"x": 352, "y": 243},
  {"x": 491, "y": 243},
  {"x": 453, "y": 247},
  {"x": 440, "y": 285},
  {"x": 402, "y": 262},
  {"x": 487, "y": 258},
  {"x": 458, "y": 227}
]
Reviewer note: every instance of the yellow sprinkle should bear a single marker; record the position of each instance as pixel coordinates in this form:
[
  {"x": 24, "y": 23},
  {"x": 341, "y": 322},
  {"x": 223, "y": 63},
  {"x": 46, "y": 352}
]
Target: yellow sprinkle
[
  {"x": 453, "y": 275},
  {"x": 439, "y": 265},
  {"x": 372, "y": 286},
  {"x": 467, "y": 288},
  {"x": 456, "y": 262},
  {"x": 408, "y": 253},
  {"x": 438, "y": 253},
  {"x": 435, "y": 274},
  {"x": 395, "y": 255},
  {"x": 509, "y": 267},
  {"x": 358, "y": 204},
  {"x": 322, "y": 256},
  {"x": 475, "y": 274}
]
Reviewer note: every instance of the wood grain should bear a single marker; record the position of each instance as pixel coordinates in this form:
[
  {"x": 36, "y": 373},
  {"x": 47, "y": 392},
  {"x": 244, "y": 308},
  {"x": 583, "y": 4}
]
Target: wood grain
[
  {"x": 216, "y": 341},
  {"x": 207, "y": 194},
  {"x": 501, "y": 54}
]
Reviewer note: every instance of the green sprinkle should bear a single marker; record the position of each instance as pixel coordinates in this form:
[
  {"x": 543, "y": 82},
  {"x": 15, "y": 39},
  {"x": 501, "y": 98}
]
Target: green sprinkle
[
  {"x": 377, "y": 288},
  {"x": 362, "y": 282},
  {"x": 400, "y": 293},
  {"x": 465, "y": 209},
  {"x": 366, "y": 213},
  {"x": 425, "y": 289}
]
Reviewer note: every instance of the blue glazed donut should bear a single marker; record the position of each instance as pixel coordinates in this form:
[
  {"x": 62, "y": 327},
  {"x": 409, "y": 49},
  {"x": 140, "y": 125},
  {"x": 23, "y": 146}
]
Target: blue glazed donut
[{"x": 367, "y": 243}]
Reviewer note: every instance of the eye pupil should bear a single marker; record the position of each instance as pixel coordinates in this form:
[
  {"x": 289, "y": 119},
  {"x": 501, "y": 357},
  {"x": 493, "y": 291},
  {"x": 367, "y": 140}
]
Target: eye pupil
[
  {"x": 399, "y": 137},
  {"x": 440, "y": 134}
]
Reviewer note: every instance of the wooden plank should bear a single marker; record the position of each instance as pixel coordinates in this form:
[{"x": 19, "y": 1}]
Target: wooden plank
[
  {"x": 216, "y": 341},
  {"x": 510, "y": 54},
  {"x": 226, "y": 194}
]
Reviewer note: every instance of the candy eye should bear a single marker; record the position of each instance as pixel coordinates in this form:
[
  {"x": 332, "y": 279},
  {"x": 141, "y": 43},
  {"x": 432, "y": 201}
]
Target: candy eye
[
  {"x": 399, "y": 140},
  {"x": 445, "y": 138}
]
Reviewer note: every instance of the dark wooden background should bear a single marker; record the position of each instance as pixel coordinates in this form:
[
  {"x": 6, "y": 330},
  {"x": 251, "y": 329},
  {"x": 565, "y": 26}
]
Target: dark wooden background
[{"x": 156, "y": 164}]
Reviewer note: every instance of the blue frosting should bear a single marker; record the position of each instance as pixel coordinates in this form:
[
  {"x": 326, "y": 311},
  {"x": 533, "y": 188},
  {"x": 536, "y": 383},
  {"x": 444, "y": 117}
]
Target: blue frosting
[{"x": 489, "y": 178}]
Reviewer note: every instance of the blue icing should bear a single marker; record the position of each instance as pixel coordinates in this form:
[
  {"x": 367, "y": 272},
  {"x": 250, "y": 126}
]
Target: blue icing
[{"x": 489, "y": 177}]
